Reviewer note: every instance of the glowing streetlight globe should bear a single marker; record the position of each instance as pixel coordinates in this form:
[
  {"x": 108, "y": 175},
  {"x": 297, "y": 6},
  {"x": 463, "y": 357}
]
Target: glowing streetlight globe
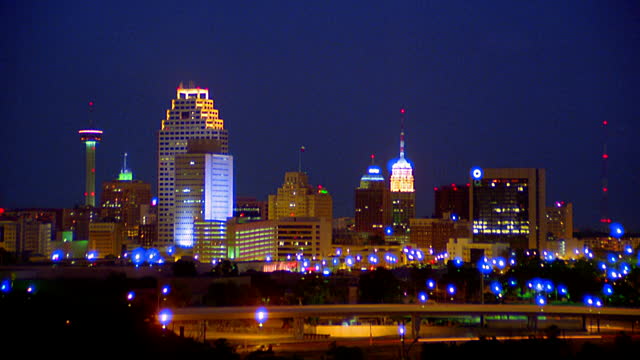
[
  {"x": 92, "y": 255},
  {"x": 131, "y": 295},
  {"x": 496, "y": 288},
  {"x": 164, "y": 317},
  {"x": 607, "y": 289},
  {"x": 261, "y": 315},
  {"x": 422, "y": 297},
  {"x": 616, "y": 230},
  {"x": 138, "y": 255},
  {"x": 457, "y": 262},
  {"x": 57, "y": 255},
  {"x": 5, "y": 286},
  {"x": 165, "y": 290},
  {"x": 541, "y": 300},
  {"x": 451, "y": 289},
  {"x": 476, "y": 173},
  {"x": 402, "y": 330},
  {"x": 431, "y": 284}
]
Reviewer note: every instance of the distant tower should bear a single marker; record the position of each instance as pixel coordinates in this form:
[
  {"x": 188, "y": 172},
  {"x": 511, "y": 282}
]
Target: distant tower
[
  {"x": 373, "y": 203},
  {"x": 604, "y": 202},
  {"x": 90, "y": 137},
  {"x": 403, "y": 196}
]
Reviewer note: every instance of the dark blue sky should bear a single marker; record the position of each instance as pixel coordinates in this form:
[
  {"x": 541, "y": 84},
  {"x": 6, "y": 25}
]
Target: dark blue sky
[{"x": 492, "y": 84}]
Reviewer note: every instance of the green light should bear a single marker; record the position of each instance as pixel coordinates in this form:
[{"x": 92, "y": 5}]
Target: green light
[
  {"x": 323, "y": 191},
  {"x": 125, "y": 175},
  {"x": 90, "y": 143}
]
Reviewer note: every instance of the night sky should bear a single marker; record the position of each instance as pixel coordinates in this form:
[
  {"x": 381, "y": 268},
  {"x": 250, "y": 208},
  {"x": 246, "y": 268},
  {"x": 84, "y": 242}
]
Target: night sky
[{"x": 485, "y": 83}]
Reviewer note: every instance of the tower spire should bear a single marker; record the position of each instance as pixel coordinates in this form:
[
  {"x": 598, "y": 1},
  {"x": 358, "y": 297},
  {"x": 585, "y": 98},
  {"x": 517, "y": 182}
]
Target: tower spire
[
  {"x": 604, "y": 206},
  {"x": 402, "y": 133}
]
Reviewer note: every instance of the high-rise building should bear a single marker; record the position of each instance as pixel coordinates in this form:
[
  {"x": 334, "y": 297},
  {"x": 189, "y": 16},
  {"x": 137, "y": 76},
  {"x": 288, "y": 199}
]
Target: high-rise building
[
  {"x": 126, "y": 200},
  {"x": 403, "y": 196},
  {"x": 192, "y": 116},
  {"x": 452, "y": 199},
  {"x": 560, "y": 220},
  {"x": 203, "y": 189},
  {"x": 90, "y": 137},
  {"x": 296, "y": 198},
  {"x": 373, "y": 202},
  {"x": 508, "y": 205}
]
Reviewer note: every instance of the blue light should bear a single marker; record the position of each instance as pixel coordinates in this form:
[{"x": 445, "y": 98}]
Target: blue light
[
  {"x": 349, "y": 260},
  {"x": 165, "y": 290},
  {"x": 457, "y": 262},
  {"x": 335, "y": 261},
  {"x": 451, "y": 289},
  {"x": 152, "y": 256},
  {"x": 541, "y": 300},
  {"x": 431, "y": 284},
  {"x": 373, "y": 259},
  {"x": 484, "y": 266},
  {"x": 5, "y": 286},
  {"x": 607, "y": 289},
  {"x": 588, "y": 300},
  {"x": 57, "y": 255},
  {"x": 138, "y": 255},
  {"x": 171, "y": 250},
  {"x": 496, "y": 288},
  {"x": 401, "y": 330},
  {"x": 326, "y": 271},
  {"x": 131, "y": 295},
  {"x": 261, "y": 315},
  {"x": 476, "y": 173},
  {"x": 422, "y": 297},
  {"x": 616, "y": 230},
  {"x": 165, "y": 316},
  {"x": 31, "y": 289},
  {"x": 548, "y": 285},
  {"x": 602, "y": 266},
  {"x": 499, "y": 262},
  {"x": 388, "y": 230},
  {"x": 92, "y": 255},
  {"x": 628, "y": 249},
  {"x": 613, "y": 274},
  {"x": 454, "y": 217},
  {"x": 612, "y": 258},
  {"x": 562, "y": 289}
]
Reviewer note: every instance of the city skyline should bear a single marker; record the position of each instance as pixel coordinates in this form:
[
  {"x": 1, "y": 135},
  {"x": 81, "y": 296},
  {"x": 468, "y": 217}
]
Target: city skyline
[{"x": 495, "y": 86}]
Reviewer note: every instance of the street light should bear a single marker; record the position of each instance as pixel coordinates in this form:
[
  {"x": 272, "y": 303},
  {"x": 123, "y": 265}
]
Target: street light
[
  {"x": 164, "y": 317},
  {"x": 451, "y": 289},
  {"x": 484, "y": 266},
  {"x": 422, "y": 297},
  {"x": 261, "y": 316}
]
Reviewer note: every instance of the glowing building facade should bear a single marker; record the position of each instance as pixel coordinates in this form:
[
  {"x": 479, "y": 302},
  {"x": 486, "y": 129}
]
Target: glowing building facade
[
  {"x": 372, "y": 202},
  {"x": 192, "y": 116},
  {"x": 203, "y": 192},
  {"x": 296, "y": 198},
  {"x": 508, "y": 206},
  {"x": 403, "y": 196}
]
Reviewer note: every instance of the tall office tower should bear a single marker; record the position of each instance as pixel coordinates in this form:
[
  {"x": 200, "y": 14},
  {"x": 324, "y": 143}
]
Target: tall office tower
[
  {"x": 560, "y": 220},
  {"x": 373, "y": 202},
  {"x": 203, "y": 188},
  {"x": 403, "y": 196},
  {"x": 508, "y": 205},
  {"x": 296, "y": 198},
  {"x": 90, "y": 137},
  {"x": 191, "y": 116},
  {"x": 452, "y": 199},
  {"x": 126, "y": 201}
]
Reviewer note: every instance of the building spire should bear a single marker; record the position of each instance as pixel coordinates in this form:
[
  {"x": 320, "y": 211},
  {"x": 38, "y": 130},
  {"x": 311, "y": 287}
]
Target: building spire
[{"x": 402, "y": 111}]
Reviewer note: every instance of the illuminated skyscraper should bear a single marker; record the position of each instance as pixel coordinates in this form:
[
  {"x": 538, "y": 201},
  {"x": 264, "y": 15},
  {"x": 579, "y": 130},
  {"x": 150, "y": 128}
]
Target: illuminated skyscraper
[
  {"x": 296, "y": 198},
  {"x": 373, "y": 202},
  {"x": 403, "y": 196},
  {"x": 203, "y": 190},
  {"x": 508, "y": 206},
  {"x": 191, "y": 116},
  {"x": 90, "y": 137}
]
